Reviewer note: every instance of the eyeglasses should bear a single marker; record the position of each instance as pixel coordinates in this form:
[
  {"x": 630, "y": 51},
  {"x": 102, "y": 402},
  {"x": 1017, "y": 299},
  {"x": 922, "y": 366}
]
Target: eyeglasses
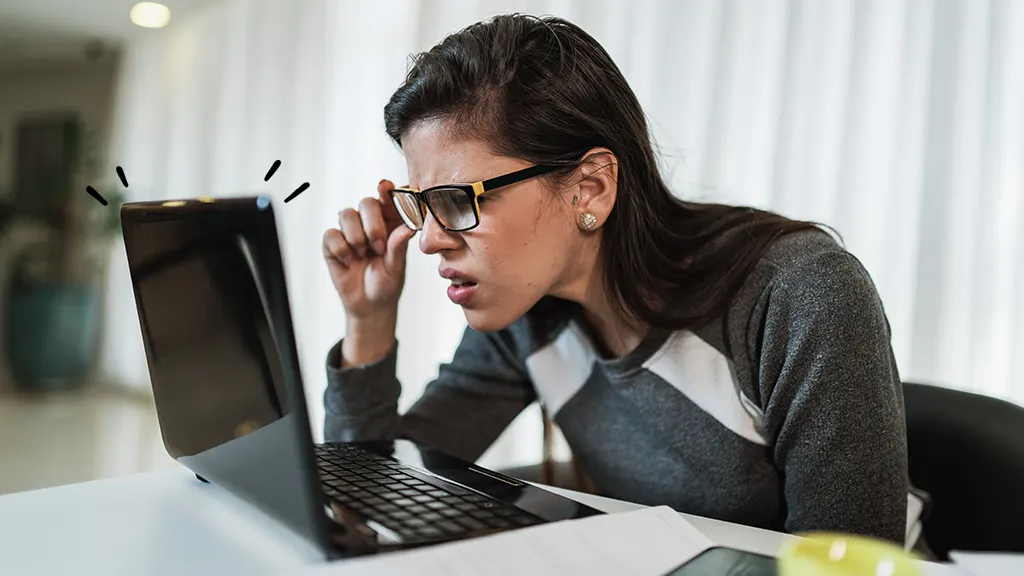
[{"x": 456, "y": 207}]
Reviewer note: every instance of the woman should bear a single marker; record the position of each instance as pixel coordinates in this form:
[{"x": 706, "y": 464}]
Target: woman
[{"x": 725, "y": 361}]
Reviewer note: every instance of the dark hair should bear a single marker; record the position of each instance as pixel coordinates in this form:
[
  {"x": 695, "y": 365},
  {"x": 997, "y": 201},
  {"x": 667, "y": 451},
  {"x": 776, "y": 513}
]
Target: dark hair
[{"x": 543, "y": 90}]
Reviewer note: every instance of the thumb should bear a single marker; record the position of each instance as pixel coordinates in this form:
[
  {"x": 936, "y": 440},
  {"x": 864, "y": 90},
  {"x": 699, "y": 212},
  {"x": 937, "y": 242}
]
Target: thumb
[{"x": 398, "y": 244}]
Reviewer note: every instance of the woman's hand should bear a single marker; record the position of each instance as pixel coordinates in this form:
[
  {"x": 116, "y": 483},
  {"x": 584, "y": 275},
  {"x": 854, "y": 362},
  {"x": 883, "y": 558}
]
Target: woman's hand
[{"x": 366, "y": 257}]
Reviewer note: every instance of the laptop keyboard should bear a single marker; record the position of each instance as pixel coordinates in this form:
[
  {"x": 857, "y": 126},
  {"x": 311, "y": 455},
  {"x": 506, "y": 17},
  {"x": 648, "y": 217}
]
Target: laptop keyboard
[{"x": 403, "y": 499}]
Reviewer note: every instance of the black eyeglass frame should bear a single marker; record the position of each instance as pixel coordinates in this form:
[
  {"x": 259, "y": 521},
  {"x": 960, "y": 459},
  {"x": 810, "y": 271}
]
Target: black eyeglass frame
[{"x": 473, "y": 191}]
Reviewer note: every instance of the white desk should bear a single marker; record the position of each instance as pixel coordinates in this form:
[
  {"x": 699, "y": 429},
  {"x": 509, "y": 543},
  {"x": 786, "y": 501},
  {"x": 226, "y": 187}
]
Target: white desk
[{"x": 168, "y": 522}]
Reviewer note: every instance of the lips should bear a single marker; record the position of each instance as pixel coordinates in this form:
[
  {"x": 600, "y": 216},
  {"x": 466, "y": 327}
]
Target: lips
[
  {"x": 457, "y": 277},
  {"x": 463, "y": 285}
]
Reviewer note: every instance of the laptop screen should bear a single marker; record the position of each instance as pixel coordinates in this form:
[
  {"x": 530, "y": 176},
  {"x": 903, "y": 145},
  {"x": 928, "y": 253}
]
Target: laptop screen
[
  {"x": 215, "y": 368},
  {"x": 212, "y": 304}
]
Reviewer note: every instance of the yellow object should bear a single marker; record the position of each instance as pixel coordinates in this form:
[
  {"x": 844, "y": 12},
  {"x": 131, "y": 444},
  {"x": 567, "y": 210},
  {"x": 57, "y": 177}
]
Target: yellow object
[{"x": 824, "y": 554}]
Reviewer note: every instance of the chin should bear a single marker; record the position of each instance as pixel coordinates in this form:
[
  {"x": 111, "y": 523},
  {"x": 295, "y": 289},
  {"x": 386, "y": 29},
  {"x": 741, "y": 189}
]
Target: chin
[{"x": 489, "y": 320}]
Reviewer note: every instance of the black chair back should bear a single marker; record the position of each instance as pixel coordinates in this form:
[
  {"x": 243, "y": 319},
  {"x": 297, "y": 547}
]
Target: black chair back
[{"x": 967, "y": 451}]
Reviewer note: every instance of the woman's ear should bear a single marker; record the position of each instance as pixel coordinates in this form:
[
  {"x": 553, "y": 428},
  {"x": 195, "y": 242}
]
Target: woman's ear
[{"x": 596, "y": 189}]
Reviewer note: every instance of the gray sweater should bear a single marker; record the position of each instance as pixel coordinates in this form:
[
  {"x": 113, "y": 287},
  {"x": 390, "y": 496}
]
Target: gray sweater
[{"x": 786, "y": 413}]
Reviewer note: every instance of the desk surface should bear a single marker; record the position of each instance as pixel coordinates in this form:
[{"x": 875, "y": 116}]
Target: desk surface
[{"x": 168, "y": 522}]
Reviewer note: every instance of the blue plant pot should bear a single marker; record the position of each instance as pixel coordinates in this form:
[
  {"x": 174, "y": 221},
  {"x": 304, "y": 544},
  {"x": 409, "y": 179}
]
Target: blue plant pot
[{"x": 51, "y": 335}]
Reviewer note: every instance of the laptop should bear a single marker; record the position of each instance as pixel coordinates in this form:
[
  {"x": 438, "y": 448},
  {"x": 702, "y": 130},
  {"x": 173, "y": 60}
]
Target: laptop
[{"x": 212, "y": 303}]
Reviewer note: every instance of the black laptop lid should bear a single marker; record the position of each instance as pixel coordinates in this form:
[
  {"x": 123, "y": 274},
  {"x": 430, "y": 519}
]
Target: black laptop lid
[{"x": 212, "y": 303}]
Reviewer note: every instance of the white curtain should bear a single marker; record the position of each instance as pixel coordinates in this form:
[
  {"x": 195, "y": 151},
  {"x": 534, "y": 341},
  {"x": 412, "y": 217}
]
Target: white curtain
[{"x": 899, "y": 123}]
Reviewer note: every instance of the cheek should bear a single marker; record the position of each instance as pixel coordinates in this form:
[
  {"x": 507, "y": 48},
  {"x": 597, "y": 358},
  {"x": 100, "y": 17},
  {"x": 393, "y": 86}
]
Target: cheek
[{"x": 522, "y": 259}]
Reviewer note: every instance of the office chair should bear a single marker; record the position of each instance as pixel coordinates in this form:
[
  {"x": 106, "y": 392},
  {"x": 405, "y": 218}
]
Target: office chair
[{"x": 967, "y": 451}]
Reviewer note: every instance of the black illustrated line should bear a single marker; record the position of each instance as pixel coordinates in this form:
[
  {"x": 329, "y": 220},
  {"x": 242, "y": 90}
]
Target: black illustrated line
[
  {"x": 298, "y": 191},
  {"x": 277, "y": 164},
  {"x": 120, "y": 174},
  {"x": 92, "y": 192}
]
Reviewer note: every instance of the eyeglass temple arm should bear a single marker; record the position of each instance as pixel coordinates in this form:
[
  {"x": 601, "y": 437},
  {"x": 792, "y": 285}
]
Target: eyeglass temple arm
[{"x": 512, "y": 178}]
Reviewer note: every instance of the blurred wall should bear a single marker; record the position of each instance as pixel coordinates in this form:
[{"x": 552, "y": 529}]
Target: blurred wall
[{"x": 44, "y": 87}]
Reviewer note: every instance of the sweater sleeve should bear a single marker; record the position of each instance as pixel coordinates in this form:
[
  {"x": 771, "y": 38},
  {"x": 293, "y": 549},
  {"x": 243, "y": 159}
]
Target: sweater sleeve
[
  {"x": 473, "y": 399},
  {"x": 833, "y": 400}
]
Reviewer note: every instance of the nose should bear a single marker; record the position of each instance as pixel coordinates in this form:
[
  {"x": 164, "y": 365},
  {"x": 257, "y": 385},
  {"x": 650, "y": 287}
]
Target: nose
[{"x": 434, "y": 238}]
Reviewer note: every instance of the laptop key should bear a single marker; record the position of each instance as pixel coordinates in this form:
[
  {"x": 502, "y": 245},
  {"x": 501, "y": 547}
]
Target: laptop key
[
  {"x": 391, "y": 496},
  {"x": 422, "y": 498},
  {"x": 450, "y": 527},
  {"x": 465, "y": 506},
  {"x": 498, "y": 523},
  {"x": 470, "y": 523},
  {"x": 450, "y": 513},
  {"x": 431, "y": 516},
  {"x": 403, "y": 502},
  {"x": 415, "y": 522},
  {"x": 430, "y": 532},
  {"x": 437, "y": 493},
  {"x": 480, "y": 514},
  {"x": 400, "y": 515},
  {"x": 435, "y": 505}
]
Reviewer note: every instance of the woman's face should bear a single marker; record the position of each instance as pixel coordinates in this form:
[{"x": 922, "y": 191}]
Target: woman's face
[{"x": 526, "y": 246}]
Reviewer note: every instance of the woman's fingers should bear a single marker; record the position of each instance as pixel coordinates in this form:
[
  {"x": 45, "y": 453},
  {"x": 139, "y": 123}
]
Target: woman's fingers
[
  {"x": 352, "y": 229},
  {"x": 336, "y": 248},
  {"x": 370, "y": 212},
  {"x": 388, "y": 210}
]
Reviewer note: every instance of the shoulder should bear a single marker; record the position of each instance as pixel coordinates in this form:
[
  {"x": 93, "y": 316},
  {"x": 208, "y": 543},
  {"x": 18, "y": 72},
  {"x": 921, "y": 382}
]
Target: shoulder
[
  {"x": 803, "y": 280},
  {"x": 810, "y": 267}
]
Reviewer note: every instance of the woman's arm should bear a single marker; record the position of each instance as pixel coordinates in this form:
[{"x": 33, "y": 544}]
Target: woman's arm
[
  {"x": 461, "y": 412},
  {"x": 833, "y": 400}
]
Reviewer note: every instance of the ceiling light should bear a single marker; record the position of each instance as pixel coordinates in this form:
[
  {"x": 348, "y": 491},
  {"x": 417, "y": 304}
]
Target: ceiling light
[{"x": 150, "y": 15}]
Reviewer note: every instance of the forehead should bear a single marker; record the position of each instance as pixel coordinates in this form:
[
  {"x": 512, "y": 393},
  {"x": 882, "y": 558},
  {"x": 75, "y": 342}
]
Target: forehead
[{"x": 434, "y": 157}]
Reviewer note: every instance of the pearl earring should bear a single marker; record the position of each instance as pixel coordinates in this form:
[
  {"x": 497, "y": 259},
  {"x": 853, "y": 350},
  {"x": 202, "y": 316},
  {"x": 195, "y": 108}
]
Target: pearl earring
[{"x": 588, "y": 221}]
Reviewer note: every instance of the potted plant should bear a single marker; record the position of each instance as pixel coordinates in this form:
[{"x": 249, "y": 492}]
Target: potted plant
[{"x": 55, "y": 286}]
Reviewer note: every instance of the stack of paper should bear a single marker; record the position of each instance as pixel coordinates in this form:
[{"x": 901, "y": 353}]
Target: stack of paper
[{"x": 650, "y": 541}]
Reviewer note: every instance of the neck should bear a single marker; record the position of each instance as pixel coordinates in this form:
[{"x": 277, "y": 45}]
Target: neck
[{"x": 587, "y": 289}]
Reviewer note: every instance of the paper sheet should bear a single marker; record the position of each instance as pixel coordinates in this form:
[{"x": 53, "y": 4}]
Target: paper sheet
[
  {"x": 989, "y": 563},
  {"x": 650, "y": 541}
]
